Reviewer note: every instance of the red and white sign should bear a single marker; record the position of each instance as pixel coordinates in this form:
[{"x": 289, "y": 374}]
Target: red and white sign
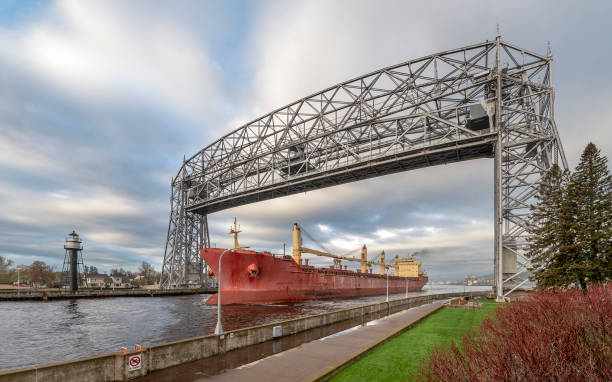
[{"x": 134, "y": 362}]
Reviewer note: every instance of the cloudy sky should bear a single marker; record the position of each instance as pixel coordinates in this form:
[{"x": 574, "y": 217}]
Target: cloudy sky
[{"x": 100, "y": 101}]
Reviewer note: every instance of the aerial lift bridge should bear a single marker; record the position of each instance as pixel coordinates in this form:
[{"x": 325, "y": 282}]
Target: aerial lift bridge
[{"x": 487, "y": 100}]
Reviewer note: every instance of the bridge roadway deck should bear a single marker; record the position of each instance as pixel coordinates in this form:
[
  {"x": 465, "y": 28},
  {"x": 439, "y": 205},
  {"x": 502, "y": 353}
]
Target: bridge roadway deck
[
  {"x": 316, "y": 359},
  {"x": 477, "y": 147}
]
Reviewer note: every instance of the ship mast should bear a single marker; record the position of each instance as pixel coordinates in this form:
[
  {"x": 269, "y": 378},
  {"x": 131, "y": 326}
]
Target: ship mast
[
  {"x": 364, "y": 259},
  {"x": 235, "y": 230}
]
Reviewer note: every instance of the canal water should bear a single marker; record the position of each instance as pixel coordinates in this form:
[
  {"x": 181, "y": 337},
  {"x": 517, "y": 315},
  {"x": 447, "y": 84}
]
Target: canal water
[{"x": 34, "y": 333}]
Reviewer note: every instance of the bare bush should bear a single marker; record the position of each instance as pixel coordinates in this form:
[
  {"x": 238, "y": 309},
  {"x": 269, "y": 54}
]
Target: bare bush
[{"x": 559, "y": 335}]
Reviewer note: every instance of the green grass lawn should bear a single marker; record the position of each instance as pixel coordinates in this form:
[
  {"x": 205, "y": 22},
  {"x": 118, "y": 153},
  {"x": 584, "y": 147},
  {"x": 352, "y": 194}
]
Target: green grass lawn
[{"x": 396, "y": 359}]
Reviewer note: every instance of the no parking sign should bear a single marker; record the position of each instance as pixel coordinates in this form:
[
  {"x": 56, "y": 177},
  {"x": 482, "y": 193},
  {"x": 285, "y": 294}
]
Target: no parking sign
[{"x": 134, "y": 362}]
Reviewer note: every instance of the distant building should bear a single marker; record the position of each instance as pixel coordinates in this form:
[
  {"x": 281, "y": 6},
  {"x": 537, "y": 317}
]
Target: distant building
[
  {"x": 447, "y": 282},
  {"x": 474, "y": 280},
  {"x": 118, "y": 282},
  {"x": 140, "y": 282},
  {"x": 471, "y": 280},
  {"x": 96, "y": 280},
  {"x": 137, "y": 281}
]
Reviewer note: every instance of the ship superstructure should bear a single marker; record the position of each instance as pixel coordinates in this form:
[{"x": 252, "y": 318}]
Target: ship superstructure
[{"x": 406, "y": 267}]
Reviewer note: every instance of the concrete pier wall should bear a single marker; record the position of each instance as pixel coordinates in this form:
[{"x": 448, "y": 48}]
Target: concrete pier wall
[
  {"x": 114, "y": 366},
  {"x": 102, "y": 293}
]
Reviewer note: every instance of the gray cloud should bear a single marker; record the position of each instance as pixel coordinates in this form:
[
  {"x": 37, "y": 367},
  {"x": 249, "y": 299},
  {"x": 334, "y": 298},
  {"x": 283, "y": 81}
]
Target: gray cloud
[
  {"x": 100, "y": 101},
  {"x": 447, "y": 210}
]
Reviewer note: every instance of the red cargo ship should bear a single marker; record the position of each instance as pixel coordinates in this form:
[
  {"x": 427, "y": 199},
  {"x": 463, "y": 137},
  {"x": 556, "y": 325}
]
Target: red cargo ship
[
  {"x": 262, "y": 277},
  {"x": 250, "y": 276}
]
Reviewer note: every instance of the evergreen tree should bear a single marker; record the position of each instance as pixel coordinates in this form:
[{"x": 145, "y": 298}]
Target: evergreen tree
[
  {"x": 570, "y": 225},
  {"x": 590, "y": 190},
  {"x": 550, "y": 231}
]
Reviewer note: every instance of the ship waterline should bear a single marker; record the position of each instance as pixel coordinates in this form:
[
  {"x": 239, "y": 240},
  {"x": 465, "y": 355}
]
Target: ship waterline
[{"x": 261, "y": 277}]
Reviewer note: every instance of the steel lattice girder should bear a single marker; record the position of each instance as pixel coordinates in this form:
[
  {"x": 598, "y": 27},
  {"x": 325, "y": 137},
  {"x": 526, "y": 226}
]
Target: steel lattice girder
[
  {"x": 187, "y": 233},
  {"x": 485, "y": 100}
]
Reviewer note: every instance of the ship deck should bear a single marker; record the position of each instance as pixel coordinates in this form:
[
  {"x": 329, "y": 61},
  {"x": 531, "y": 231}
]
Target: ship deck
[{"x": 343, "y": 272}]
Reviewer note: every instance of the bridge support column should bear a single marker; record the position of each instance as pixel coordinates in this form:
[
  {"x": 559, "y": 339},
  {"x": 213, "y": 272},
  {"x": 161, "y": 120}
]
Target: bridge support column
[
  {"x": 187, "y": 234},
  {"x": 498, "y": 221}
]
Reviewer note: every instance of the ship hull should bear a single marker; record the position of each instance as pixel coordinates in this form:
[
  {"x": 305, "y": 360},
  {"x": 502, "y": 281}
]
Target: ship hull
[{"x": 255, "y": 277}]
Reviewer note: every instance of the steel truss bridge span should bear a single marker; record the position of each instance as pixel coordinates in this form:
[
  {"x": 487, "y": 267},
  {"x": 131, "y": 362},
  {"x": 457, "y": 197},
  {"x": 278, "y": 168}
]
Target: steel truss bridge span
[{"x": 488, "y": 100}]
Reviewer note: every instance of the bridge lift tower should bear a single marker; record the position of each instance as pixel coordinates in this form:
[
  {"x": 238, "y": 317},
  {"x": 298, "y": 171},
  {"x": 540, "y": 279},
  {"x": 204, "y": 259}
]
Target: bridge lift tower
[{"x": 488, "y": 100}]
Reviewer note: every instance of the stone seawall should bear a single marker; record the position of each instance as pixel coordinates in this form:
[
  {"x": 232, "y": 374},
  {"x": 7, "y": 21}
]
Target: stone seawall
[{"x": 116, "y": 367}]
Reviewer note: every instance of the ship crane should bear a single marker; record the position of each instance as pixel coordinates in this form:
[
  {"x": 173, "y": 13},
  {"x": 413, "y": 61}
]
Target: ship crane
[{"x": 298, "y": 249}]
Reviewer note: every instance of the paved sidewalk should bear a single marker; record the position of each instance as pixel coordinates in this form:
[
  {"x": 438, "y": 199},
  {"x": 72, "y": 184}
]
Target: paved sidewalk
[{"x": 316, "y": 359}]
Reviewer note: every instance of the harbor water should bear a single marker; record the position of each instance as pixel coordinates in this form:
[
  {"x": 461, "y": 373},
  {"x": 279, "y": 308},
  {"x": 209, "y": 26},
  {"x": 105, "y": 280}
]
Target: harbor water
[{"x": 34, "y": 333}]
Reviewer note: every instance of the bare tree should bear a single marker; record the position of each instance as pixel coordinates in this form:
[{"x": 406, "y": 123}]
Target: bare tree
[
  {"x": 5, "y": 264},
  {"x": 147, "y": 272}
]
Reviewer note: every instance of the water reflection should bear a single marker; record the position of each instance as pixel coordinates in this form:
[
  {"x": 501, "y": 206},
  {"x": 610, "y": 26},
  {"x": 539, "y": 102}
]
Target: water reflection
[{"x": 72, "y": 309}]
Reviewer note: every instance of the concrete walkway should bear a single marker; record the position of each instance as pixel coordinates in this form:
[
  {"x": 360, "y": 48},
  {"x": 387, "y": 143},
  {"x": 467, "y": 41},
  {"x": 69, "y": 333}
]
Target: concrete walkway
[{"x": 319, "y": 358}]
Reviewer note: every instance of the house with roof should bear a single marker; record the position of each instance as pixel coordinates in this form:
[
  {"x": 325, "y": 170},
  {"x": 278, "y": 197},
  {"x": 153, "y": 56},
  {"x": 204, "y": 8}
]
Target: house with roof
[
  {"x": 97, "y": 280},
  {"x": 119, "y": 282}
]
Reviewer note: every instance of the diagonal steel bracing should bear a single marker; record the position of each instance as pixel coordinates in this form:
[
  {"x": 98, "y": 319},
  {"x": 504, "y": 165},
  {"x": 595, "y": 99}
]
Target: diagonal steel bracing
[{"x": 491, "y": 99}]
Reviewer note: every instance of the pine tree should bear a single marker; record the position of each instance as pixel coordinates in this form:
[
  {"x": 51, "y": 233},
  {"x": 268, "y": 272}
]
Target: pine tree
[
  {"x": 590, "y": 190},
  {"x": 571, "y": 225},
  {"x": 550, "y": 231}
]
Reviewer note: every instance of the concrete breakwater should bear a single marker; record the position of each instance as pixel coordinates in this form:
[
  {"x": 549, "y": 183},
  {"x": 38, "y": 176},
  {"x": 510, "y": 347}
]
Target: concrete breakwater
[
  {"x": 122, "y": 366},
  {"x": 30, "y": 295}
]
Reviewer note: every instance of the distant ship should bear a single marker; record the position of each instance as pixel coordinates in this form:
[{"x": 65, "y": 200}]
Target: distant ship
[{"x": 262, "y": 277}]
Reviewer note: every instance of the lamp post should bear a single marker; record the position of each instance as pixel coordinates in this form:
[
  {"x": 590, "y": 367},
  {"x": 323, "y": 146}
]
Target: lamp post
[
  {"x": 406, "y": 287},
  {"x": 387, "y": 287},
  {"x": 219, "y": 328},
  {"x": 18, "y": 281}
]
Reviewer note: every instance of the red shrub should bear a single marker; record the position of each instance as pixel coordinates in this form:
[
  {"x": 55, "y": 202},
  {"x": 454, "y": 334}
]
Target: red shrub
[{"x": 549, "y": 336}]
